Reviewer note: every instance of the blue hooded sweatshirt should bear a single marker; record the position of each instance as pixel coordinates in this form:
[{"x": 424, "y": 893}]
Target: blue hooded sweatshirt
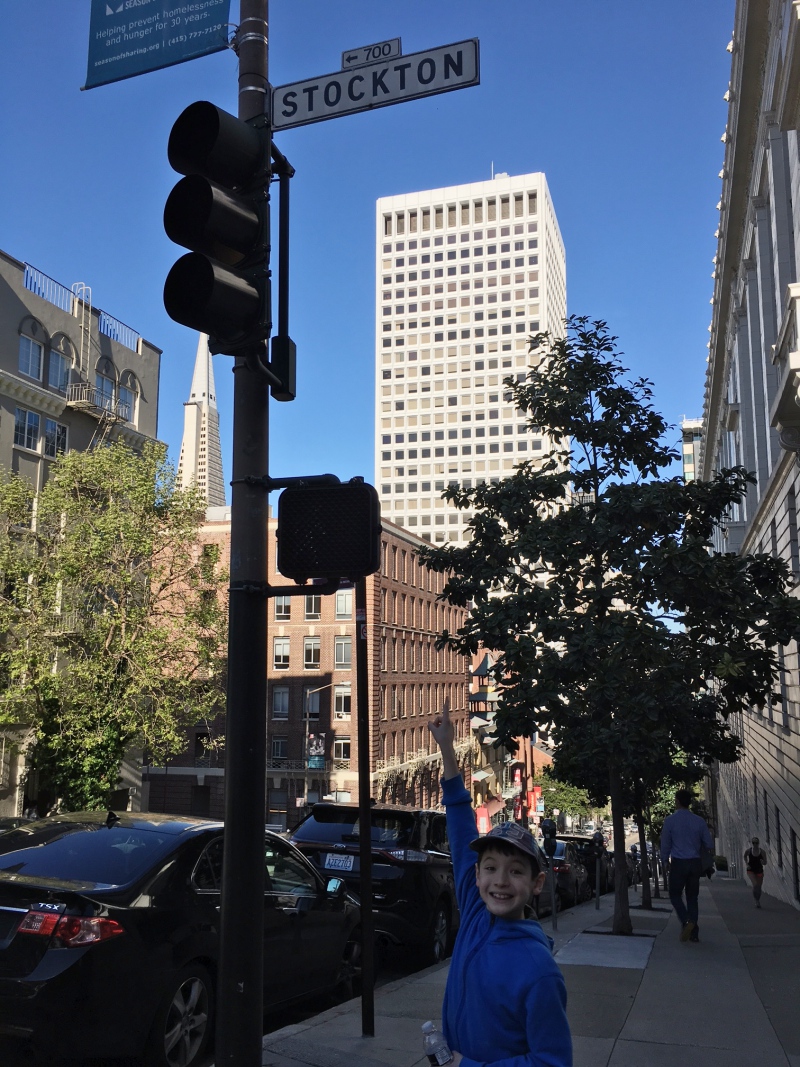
[{"x": 505, "y": 1000}]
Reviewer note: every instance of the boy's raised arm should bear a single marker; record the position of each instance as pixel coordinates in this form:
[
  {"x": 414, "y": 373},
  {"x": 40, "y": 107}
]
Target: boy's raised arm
[{"x": 443, "y": 733}]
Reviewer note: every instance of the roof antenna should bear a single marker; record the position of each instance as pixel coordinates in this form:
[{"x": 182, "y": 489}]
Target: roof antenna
[
  {"x": 492, "y": 170},
  {"x": 112, "y": 819}
]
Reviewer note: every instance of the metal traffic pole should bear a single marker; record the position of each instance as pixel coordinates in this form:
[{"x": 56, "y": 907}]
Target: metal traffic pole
[
  {"x": 364, "y": 816},
  {"x": 549, "y": 846},
  {"x": 241, "y": 957}
]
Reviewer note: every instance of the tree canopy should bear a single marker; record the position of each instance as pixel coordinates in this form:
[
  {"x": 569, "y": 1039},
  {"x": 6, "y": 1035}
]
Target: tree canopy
[
  {"x": 114, "y": 626},
  {"x": 592, "y": 573}
]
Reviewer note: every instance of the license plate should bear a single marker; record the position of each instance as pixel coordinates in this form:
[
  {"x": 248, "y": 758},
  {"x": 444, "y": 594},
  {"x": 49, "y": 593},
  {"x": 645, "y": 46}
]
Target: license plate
[{"x": 338, "y": 863}]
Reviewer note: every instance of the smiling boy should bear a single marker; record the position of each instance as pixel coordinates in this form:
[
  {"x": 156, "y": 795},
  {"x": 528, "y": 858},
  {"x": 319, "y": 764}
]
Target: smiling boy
[{"x": 505, "y": 1000}]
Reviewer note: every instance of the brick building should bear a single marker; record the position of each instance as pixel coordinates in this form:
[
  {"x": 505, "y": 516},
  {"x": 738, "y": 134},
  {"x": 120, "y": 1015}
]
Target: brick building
[{"x": 312, "y": 744}]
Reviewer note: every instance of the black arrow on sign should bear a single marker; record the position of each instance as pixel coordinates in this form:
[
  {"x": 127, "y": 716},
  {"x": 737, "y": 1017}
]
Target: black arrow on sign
[{"x": 349, "y": 59}]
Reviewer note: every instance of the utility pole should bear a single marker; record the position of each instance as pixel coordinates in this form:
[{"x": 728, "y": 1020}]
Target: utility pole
[{"x": 241, "y": 961}]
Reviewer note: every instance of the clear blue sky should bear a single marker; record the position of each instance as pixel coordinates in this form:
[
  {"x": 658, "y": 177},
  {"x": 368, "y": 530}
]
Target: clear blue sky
[{"x": 619, "y": 102}]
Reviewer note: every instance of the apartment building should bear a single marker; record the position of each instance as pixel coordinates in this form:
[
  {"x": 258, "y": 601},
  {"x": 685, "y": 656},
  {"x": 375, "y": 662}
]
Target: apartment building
[
  {"x": 312, "y": 736},
  {"x": 752, "y": 405},
  {"x": 71, "y": 377},
  {"x": 464, "y": 276},
  {"x": 692, "y": 437}
]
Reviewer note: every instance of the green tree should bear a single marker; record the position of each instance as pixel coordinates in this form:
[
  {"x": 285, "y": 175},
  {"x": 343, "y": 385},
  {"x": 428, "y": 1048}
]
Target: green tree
[
  {"x": 563, "y": 796},
  {"x": 112, "y": 613},
  {"x": 592, "y": 574}
]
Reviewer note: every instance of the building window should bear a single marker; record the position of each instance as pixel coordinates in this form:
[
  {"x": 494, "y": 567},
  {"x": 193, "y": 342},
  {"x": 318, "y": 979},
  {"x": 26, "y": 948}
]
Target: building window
[
  {"x": 105, "y": 392},
  {"x": 344, "y": 604},
  {"x": 283, "y": 606},
  {"x": 280, "y": 748},
  {"x": 280, "y": 653},
  {"x": 342, "y": 653},
  {"x": 766, "y": 818},
  {"x": 126, "y": 403},
  {"x": 311, "y": 653},
  {"x": 341, "y": 748},
  {"x": 58, "y": 372},
  {"x": 26, "y": 429},
  {"x": 55, "y": 438},
  {"x": 311, "y": 702},
  {"x": 30, "y": 358},
  {"x": 778, "y": 839},
  {"x": 313, "y": 607},
  {"x": 341, "y": 702},
  {"x": 280, "y": 702}
]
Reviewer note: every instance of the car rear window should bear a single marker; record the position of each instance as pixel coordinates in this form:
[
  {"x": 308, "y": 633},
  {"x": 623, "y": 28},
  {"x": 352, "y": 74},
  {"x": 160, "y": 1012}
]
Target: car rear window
[
  {"x": 332, "y": 825},
  {"x": 88, "y": 854}
]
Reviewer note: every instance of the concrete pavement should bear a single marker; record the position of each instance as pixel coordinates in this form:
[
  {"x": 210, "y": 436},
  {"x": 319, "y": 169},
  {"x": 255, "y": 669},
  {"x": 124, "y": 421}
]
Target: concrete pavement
[{"x": 642, "y": 1001}]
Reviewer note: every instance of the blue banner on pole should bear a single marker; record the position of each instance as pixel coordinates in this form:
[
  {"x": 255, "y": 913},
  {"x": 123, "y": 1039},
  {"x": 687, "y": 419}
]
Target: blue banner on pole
[{"x": 130, "y": 37}]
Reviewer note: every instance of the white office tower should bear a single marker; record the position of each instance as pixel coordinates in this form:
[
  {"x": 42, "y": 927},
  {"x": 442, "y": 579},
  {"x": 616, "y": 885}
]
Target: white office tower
[
  {"x": 200, "y": 463},
  {"x": 464, "y": 276}
]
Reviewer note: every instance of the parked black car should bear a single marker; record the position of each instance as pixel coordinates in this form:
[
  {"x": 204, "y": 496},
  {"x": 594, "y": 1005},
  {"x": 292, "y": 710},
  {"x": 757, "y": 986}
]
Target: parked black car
[
  {"x": 584, "y": 846},
  {"x": 572, "y": 877},
  {"x": 543, "y": 903},
  {"x": 412, "y": 874},
  {"x": 109, "y": 934}
]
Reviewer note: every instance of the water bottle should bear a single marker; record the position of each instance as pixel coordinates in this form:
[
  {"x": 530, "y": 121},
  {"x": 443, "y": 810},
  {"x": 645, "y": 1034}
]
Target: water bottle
[{"x": 434, "y": 1045}]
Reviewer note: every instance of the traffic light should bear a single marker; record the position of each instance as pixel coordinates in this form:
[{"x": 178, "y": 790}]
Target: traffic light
[
  {"x": 220, "y": 211},
  {"x": 329, "y": 531}
]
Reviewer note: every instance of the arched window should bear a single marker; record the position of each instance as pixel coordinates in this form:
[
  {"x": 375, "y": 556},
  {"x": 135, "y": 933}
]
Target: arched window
[
  {"x": 32, "y": 341},
  {"x": 128, "y": 395},
  {"x": 105, "y": 383},
  {"x": 60, "y": 363}
]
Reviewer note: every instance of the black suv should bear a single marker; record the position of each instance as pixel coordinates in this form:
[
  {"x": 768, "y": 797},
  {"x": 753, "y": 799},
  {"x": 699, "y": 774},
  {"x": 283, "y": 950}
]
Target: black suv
[{"x": 412, "y": 873}]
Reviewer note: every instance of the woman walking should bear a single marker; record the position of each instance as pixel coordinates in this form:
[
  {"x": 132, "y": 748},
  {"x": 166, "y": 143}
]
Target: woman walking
[{"x": 756, "y": 859}]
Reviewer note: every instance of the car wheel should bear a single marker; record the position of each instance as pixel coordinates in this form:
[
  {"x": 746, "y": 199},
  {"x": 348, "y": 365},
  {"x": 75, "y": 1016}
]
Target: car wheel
[
  {"x": 438, "y": 946},
  {"x": 586, "y": 892},
  {"x": 183, "y": 1024},
  {"x": 348, "y": 983}
]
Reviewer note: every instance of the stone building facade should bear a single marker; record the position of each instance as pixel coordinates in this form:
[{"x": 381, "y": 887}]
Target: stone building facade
[{"x": 752, "y": 405}]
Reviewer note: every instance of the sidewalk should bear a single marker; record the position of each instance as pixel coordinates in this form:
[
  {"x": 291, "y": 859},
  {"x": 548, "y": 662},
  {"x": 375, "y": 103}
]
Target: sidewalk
[{"x": 642, "y": 1001}]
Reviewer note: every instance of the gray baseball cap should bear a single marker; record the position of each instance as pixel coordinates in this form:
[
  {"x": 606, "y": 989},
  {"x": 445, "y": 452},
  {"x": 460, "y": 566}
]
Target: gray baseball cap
[{"x": 511, "y": 832}]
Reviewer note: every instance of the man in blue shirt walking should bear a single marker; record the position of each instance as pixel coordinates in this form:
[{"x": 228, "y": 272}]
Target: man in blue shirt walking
[{"x": 683, "y": 837}]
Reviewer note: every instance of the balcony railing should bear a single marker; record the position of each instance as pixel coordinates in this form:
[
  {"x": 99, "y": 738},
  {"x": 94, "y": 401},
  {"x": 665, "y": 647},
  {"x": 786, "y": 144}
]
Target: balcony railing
[{"x": 86, "y": 396}]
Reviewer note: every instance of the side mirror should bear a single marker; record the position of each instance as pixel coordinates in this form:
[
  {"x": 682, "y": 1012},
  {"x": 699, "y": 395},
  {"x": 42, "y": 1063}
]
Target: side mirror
[{"x": 335, "y": 888}]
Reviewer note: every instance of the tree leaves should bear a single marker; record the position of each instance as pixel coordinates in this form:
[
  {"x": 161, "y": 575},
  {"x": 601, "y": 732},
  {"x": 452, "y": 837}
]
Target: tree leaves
[
  {"x": 114, "y": 622},
  {"x": 593, "y": 576}
]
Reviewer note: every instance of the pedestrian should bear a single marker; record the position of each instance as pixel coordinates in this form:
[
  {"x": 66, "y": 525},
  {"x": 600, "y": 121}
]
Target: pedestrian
[
  {"x": 756, "y": 860},
  {"x": 683, "y": 837},
  {"x": 505, "y": 997}
]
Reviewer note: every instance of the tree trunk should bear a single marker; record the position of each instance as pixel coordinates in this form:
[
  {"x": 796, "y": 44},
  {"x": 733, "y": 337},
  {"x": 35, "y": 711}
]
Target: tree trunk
[
  {"x": 647, "y": 900},
  {"x": 622, "y": 915}
]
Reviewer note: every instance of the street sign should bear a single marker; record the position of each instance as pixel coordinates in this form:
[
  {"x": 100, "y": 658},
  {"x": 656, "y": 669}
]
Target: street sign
[
  {"x": 439, "y": 70},
  {"x": 370, "y": 53}
]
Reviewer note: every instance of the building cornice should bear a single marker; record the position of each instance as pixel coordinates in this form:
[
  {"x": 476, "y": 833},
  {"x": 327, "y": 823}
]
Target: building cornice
[
  {"x": 30, "y": 393},
  {"x": 751, "y": 36}
]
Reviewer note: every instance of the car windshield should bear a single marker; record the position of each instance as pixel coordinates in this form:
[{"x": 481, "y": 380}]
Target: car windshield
[
  {"x": 90, "y": 855},
  {"x": 337, "y": 825},
  {"x": 560, "y": 850}
]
